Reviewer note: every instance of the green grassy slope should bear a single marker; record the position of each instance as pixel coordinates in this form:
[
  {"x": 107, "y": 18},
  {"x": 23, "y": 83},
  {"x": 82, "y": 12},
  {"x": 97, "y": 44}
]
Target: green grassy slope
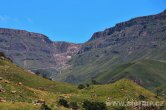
[
  {"x": 18, "y": 106},
  {"x": 20, "y": 88},
  {"x": 21, "y": 97},
  {"x": 122, "y": 90},
  {"x": 16, "y": 74},
  {"x": 13, "y": 92},
  {"x": 149, "y": 73},
  {"x": 85, "y": 72}
]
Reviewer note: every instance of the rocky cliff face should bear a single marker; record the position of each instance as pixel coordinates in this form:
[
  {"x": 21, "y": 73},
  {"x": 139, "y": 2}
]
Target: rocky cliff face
[
  {"x": 35, "y": 51},
  {"x": 137, "y": 39},
  {"x": 127, "y": 42},
  {"x": 65, "y": 52},
  {"x": 139, "y": 28}
]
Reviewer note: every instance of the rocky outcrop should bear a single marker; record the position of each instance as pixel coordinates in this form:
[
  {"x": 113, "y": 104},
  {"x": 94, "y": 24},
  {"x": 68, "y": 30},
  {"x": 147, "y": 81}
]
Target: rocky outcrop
[
  {"x": 65, "y": 52},
  {"x": 137, "y": 39},
  {"x": 34, "y": 51},
  {"x": 130, "y": 31},
  {"x": 131, "y": 41}
]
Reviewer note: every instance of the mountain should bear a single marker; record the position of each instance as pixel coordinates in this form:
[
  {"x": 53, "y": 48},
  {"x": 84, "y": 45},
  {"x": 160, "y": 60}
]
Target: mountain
[
  {"x": 134, "y": 49},
  {"x": 21, "y": 90},
  {"x": 35, "y": 52}
]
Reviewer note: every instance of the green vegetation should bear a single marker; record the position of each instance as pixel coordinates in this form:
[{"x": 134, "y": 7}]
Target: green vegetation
[
  {"x": 21, "y": 90},
  {"x": 63, "y": 102},
  {"x": 15, "y": 74},
  {"x": 81, "y": 86},
  {"x": 151, "y": 74},
  {"x": 45, "y": 107},
  {"x": 73, "y": 105},
  {"x": 119, "y": 63},
  {"x": 87, "y": 105},
  {"x": 18, "y": 106}
]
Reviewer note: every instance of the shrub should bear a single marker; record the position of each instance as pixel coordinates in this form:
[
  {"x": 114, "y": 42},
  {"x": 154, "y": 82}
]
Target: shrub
[
  {"x": 45, "y": 76},
  {"x": 37, "y": 73},
  {"x": 119, "y": 108},
  {"x": 87, "y": 85},
  {"x": 45, "y": 107},
  {"x": 73, "y": 105},
  {"x": 63, "y": 102},
  {"x": 81, "y": 86},
  {"x": 150, "y": 108},
  {"x": 158, "y": 91},
  {"x": 2, "y": 54},
  {"x": 141, "y": 97},
  {"x": 95, "y": 82},
  {"x": 87, "y": 105}
]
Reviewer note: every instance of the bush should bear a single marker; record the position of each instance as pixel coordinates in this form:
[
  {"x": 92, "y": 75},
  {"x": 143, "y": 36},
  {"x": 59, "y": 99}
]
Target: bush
[
  {"x": 87, "y": 85},
  {"x": 95, "y": 82},
  {"x": 73, "y": 105},
  {"x": 87, "y": 105},
  {"x": 141, "y": 97},
  {"x": 81, "y": 86},
  {"x": 45, "y": 107},
  {"x": 150, "y": 108},
  {"x": 2, "y": 54},
  {"x": 63, "y": 102},
  {"x": 119, "y": 108},
  {"x": 37, "y": 73},
  {"x": 158, "y": 91}
]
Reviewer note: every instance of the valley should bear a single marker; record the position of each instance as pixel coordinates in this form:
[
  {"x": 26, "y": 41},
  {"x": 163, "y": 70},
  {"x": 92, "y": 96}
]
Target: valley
[{"x": 123, "y": 63}]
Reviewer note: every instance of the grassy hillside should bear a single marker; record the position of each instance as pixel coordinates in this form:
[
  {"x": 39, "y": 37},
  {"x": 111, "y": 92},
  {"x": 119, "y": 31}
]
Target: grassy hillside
[
  {"x": 123, "y": 90},
  {"x": 18, "y": 106},
  {"x": 19, "y": 90},
  {"x": 16, "y": 74},
  {"x": 134, "y": 49},
  {"x": 150, "y": 74}
]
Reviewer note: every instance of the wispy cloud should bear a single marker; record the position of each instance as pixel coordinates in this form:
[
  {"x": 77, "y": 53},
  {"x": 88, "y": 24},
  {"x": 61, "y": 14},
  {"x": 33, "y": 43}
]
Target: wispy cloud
[
  {"x": 29, "y": 20},
  {"x": 4, "y": 18}
]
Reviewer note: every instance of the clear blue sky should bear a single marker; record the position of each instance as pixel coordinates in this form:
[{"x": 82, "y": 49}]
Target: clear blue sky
[{"x": 72, "y": 20}]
